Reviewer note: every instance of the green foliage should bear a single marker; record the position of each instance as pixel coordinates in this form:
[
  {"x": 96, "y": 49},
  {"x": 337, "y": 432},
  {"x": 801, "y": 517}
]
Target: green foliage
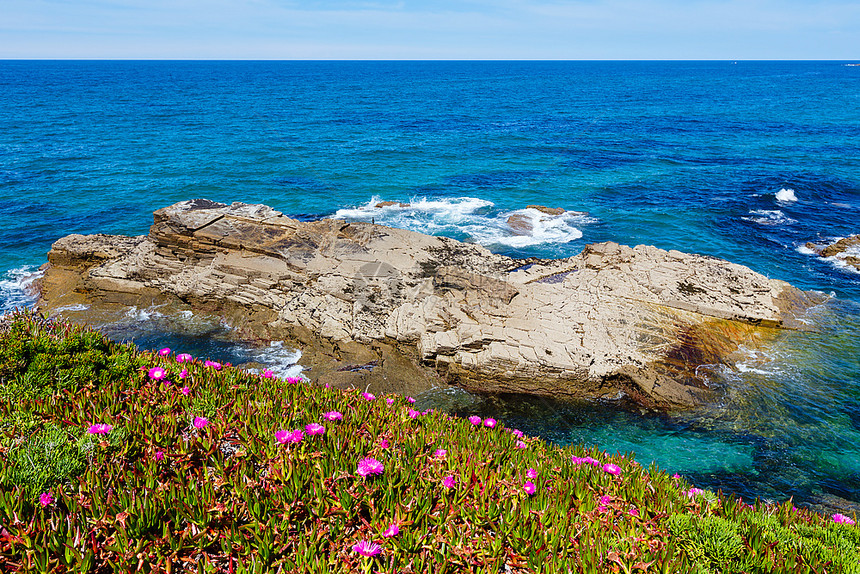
[{"x": 150, "y": 490}]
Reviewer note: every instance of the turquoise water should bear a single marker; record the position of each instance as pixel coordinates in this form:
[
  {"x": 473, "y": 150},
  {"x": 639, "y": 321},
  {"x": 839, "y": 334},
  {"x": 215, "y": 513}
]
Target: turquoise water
[{"x": 744, "y": 161}]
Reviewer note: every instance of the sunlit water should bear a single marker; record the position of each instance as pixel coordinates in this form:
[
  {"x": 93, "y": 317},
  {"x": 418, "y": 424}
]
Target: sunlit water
[{"x": 747, "y": 162}]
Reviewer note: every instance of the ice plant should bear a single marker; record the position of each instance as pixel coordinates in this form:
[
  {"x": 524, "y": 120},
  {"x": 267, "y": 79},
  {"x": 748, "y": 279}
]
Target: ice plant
[
  {"x": 413, "y": 413},
  {"x": 842, "y": 519},
  {"x": 612, "y": 469},
  {"x": 101, "y": 428},
  {"x": 391, "y": 531},
  {"x": 693, "y": 492},
  {"x": 410, "y": 400},
  {"x": 448, "y": 481},
  {"x": 517, "y": 433},
  {"x": 157, "y": 373},
  {"x": 384, "y": 443},
  {"x": 215, "y": 365},
  {"x": 282, "y": 436},
  {"x": 529, "y": 487},
  {"x": 440, "y": 453},
  {"x": 159, "y": 455},
  {"x": 475, "y": 420},
  {"x": 521, "y": 444},
  {"x": 185, "y": 391},
  {"x": 368, "y": 396},
  {"x": 333, "y": 416},
  {"x": 183, "y": 373},
  {"x": 490, "y": 423},
  {"x": 164, "y": 352},
  {"x": 531, "y": 473},
  {"x": 267, "y": 374},
  {"x": 585, "y": 460},
  {"x": 365, "y": 548},
  {"x": 315, "y": 429},
  {"x": 200, "y": 422},
  {"x": 633, "y": 511},
  {"x": 390, "y": 401},
  {"x": 183, "y": 358},
  {"x": 46, "y": 499},
  {"x": 294, "y": 380},
  {"x": 369, "y": 465}
]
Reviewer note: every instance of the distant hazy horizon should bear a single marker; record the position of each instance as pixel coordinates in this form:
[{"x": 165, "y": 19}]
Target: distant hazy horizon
[{"x": 430, "y": 30}]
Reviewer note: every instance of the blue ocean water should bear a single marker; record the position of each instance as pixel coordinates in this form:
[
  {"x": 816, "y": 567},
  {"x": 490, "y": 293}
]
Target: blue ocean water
[{"x": 746, "y": 161}]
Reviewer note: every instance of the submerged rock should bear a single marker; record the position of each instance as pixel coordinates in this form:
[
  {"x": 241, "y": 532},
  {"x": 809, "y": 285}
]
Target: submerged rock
[
  {"x": 846, "y": 250},
  {"x": 394, "y": 310}
]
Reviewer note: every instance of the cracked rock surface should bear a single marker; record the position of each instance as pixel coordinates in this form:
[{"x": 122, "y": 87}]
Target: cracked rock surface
[{"x": 394, "y": 310}]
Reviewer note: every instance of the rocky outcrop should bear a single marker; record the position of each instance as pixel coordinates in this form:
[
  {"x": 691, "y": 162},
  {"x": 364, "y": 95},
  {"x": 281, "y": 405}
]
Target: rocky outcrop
[
  {"x": 846, "y": 250},
  {"x": 398, "y": 310}
]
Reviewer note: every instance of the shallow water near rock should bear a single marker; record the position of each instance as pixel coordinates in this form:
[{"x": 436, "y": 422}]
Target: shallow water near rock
[{"x": 703, "y": 157}]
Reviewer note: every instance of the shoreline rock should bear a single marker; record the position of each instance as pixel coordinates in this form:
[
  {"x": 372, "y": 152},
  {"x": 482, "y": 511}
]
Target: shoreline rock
[
  {"x": 840, "y": 250},
  {"x": 394, "y": 310}
]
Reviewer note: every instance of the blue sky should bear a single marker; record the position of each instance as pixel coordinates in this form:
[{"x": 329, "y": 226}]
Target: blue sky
[{"x": 432, "y": 29}]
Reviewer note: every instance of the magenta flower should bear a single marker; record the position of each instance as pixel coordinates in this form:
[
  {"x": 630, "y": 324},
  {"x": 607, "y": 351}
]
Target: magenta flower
[
  {"x": 183, "y": 373},
  {"x": 693, "y": 492},
  {"x": 282, "y": 436},
  {"x": 842, "y": 519},
  {"x": 676, "y": 476},
  {"x": 391, "y": 531},
  {"x": 521, "y": 444},
  {"x": 369, "y": 549},
  {"x": 368, "y": 396},
  {"x": 215, "y": 365},
  {"x": 156, "y": 373},
  {"x": 413, "y": 413},
  {"x": 490, "y": 423},
  {"x": 517, "y": 433},
  {"x": 633, "y": 511},
  {"x": 267, "y": 374},
  {"x": 159, "y": 455},
  {"x": 333, "y": 416},
  {"x": 200, "y": 422},
  {"x": 384, "y": 443},
  {"x": 529, "y": 487},
  {"x": 448, "y": 481},
  {"x": 531, "y": 473},
  {"x": 102, "y": 428},
  {"x": 185, "y": 391},
  {"x": 390, "y": 401},
  {"x": 585, "y": 460},
  {"x": 612, "y": 469},
  {"x": 183, "y": 358},
  {"x": 410, "y": 400},
  {"x": 605, "y": 499},
  {"x": 368, "y": 465},
  {"x": 475, "y": 420},
  {"x": 315, "y": 429},
  {"x": 296, "y": 436},
  {"x": 294, "y": 380},
  {"x": 440, "y": 453},
  {"x": 164, "y": 352},
  {"x": 46, "y": 499}
]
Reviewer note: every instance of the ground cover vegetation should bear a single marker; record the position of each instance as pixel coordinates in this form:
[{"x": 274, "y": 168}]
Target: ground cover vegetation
[{"x": 113, "y": 459}]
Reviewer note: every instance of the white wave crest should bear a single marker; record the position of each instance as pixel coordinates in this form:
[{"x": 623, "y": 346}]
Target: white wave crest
[
  {"x": 282, "y": 361},
  {"x": 769, "y": 217},
  {"x": 18, "y": 288},
  {"x": 786, "y": 194},
  {"x": 840, "y": 259},
  {"x": 471, "y": 219}
]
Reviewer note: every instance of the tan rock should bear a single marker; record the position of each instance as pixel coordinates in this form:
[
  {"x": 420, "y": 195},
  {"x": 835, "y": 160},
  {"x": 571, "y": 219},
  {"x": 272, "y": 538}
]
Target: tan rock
[
  {"x": 393, "y": 310},
  {"x": 547, "y": 210},
  {"x": 390, "y": 203}
]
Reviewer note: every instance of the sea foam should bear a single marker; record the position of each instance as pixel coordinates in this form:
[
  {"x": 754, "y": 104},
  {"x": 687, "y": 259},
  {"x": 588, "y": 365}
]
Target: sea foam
[
  {"x": 786, "y": 194},
  {"x": 18, "y": 288}
]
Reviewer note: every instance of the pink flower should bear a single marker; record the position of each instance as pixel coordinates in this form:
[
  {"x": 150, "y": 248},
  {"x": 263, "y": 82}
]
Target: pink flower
[
  {"x": 390, "y": 401},
  {"x": 391, "y": 531},
  {"x": 366, "y": 548},
  {"x": 315, "y": 429},
  {"x": 215, "y": 365},
  {"x": 531, "y": 473},
  {"x": 102, "y": 428},
  {"x": 333, "y": 416},
  {"x": 517, "y": 433},
  {"x": 410, "y": 400},
  {"x": 676, "y": 476},
  {"x": 448, "y": 481},
  {"x": 167, "y": 383},
  {"x": 602, "y": 508},
  {"x": 585, "y": 460},
  {"x": 521, "y": 444},
  {"x": 634, "y": 512},
  {"x": 296, "y": 436},
  {"x": 200, "y": 422},
  {"x": 440, "y": 453},
  {"x": 475, "y": 420},
  {"x": 267, "y": 374},
  {"x": 693, "y": 492},
  {"x": 183, "y": 358},
  {"x": 185, "y": 391},
  {"x": 605, "y": 499},
  {"x": 46, "y": 499},
  {"x": 164, "y": 352},
  {"x": 368, "y": 396},
  {"x": 842, "y": 519},
  {"x": 183, "y": 373},
  {"x": 159, "y": 455},
  {"x": 612, "y": 469},
  {"x": 529, "y": 487},
  {"x": 413, "y": 413},
  {"x": 490, "y": 423},
  {"x": 156, "y": 373},
  {"x": 282, "y": 436},
  {"x": 294, "y": 380},
  {"x": 368, "y": 466},
  {"x": 384, "y": 443}
]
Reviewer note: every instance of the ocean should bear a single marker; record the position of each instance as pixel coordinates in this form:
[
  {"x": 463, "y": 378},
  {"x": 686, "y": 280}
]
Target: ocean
[{"x": 747, "y": 161}]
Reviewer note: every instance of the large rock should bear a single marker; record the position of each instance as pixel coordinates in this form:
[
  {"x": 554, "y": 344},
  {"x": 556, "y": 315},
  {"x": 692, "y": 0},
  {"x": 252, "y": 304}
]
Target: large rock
[
  {"x": 391, "y": 309},
  {"x": 846, "y": 250}
]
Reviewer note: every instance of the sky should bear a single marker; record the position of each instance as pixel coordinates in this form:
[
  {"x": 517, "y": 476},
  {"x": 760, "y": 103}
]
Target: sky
[{"x": 431, "y": 29}]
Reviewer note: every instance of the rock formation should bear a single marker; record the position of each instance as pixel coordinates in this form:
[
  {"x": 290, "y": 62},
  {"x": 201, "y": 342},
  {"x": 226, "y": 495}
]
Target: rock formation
[
  {"x": 846, "y": 250},
  {"x": 396, "y": 310}
]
